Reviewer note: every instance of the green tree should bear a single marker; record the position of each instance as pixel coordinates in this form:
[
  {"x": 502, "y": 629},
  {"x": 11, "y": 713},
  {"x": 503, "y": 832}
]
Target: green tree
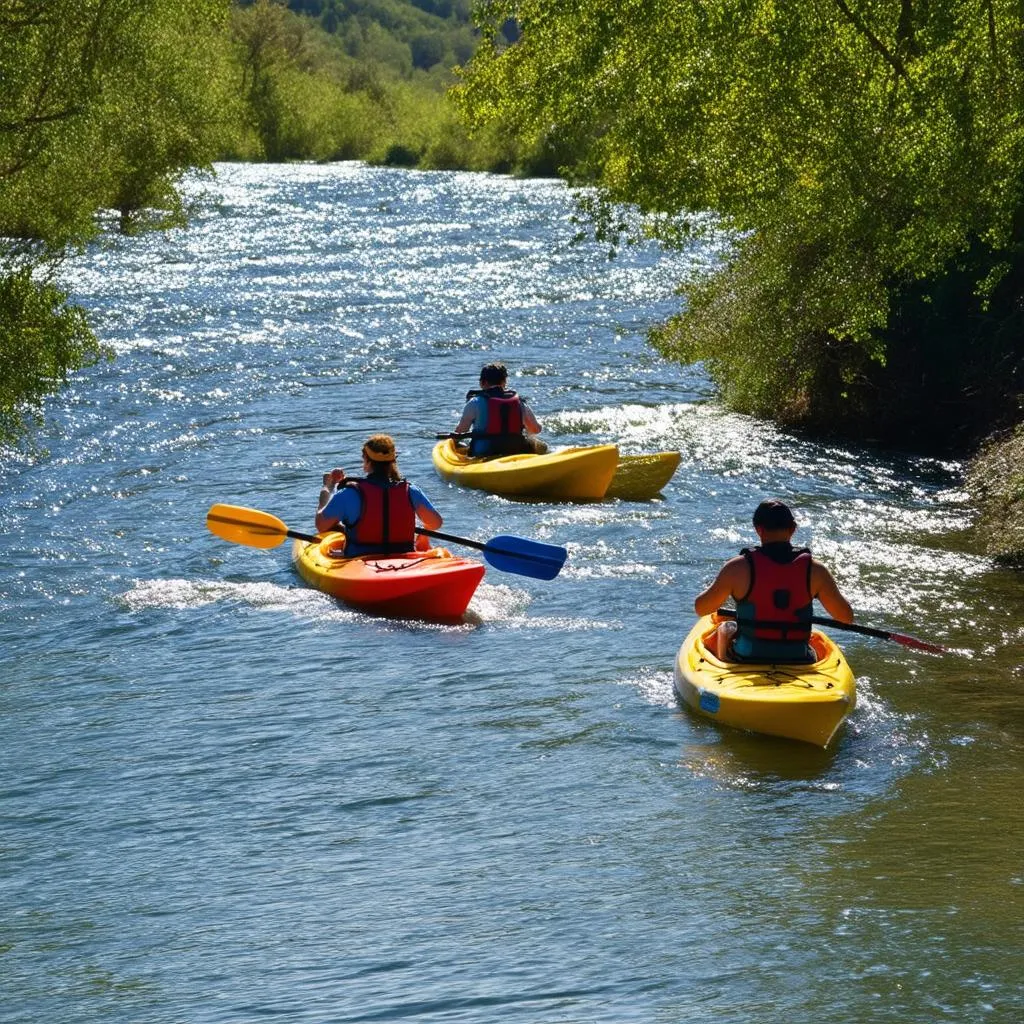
[
  {"x": 103, "y": 105},
  {"x": 864, "y": 161},
  {"x": 42, "y": 338},
  {"x": 427, "y": 49}
]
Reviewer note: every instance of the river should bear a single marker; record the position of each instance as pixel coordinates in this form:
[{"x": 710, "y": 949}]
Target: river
[{"x": 227, "y": 798}]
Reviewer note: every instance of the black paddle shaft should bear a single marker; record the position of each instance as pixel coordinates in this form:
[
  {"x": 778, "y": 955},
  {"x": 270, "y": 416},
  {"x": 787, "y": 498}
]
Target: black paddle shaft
[
  {"x": 454, "y": 540},
  {"x": 852, "y": 627},
  {"x": 821, "y": 620}
]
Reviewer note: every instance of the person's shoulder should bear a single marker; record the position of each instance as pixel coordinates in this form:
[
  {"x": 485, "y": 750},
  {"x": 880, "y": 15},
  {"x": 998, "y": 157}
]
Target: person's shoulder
[
  {"x": 342, "y": 498},
  {"x": 735, "y": 564},
  {"x": 417, "y": 495}
]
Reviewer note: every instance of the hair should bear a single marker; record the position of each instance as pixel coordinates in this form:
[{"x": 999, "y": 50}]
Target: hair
[
  {"x": 773, "y": 515},
  {"x": 493, "y": 373},
  {"x": 379, "y": 449}
]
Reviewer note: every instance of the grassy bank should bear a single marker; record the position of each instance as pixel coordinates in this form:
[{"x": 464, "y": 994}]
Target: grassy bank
[{"x": 995, "y": 479}]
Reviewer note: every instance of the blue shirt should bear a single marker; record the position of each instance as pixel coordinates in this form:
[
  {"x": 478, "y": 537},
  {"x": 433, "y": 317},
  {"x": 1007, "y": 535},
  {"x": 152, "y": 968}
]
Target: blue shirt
[{"x": 346, "y": 506}]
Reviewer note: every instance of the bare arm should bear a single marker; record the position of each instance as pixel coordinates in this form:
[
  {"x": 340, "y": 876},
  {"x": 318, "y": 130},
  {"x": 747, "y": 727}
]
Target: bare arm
[
  {"x": 530, "y": 422},
  {"x": 468, "y": 418},
  {"x": 425, "y": 511},
  {"x": 827, "y": 592},
  {"x": 732, "y": 581},
  {"x": 429, "y": 517},
  {"x": 331, "y": 480},
  {"x": 325, "y": 523}
]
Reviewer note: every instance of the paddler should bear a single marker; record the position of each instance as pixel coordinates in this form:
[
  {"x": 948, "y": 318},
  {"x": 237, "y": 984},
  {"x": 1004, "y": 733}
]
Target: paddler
[
  {"x": 774, "y": 586},
  {"x": 500, "y": 420},
  {"x": 378, "y": 511}
]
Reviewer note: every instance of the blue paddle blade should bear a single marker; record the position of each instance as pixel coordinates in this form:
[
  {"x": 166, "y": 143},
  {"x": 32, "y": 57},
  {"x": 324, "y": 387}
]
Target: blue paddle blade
[{"x": 525, "y": 557}]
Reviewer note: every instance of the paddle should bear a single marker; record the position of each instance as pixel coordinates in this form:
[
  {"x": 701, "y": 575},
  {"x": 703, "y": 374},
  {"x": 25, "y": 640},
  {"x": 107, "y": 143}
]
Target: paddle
[
  {"x": 513, "y": 554},
  {"x": 852, "y": 627},
  {"x": 250, "y": 526},
  {"x": 258, "y": 529}
]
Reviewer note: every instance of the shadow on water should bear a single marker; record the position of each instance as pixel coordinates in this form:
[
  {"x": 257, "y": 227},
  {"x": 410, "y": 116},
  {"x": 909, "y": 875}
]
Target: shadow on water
[{"x": 733, "y": 757}]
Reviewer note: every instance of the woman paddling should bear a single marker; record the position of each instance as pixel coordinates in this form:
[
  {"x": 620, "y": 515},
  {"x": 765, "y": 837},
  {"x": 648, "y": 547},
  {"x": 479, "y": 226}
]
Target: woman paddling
[{"x": 378, "y": 511}]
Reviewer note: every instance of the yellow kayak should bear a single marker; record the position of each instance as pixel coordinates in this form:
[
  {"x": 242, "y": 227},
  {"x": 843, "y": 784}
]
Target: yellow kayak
[
  {"x": 798, "y": 702},
  {"x": 572, "y": 474},
  {"x": 641, "y": 477}
]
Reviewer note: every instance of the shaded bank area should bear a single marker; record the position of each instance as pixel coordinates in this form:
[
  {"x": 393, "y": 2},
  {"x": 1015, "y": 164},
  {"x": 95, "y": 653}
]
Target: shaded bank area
[{"x": 995, "y": 480}]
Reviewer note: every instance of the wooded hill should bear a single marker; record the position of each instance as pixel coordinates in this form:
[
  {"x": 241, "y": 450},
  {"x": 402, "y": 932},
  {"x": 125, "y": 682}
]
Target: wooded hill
[
  {"x": 432, "y": 31},
  {"x": 362, "y": 79}
]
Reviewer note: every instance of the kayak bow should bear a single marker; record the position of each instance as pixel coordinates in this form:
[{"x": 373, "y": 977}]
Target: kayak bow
[{"x": 799, "y": 702}]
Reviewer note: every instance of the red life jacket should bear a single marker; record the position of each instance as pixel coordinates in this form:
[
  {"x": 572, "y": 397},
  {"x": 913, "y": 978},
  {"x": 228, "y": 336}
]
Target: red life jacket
[
  {"x": 504, "y": 413},
  {"x": 773, "y": 619},
  {"x": 503, "y": 428},
  {"x": 387, "y": 522}
]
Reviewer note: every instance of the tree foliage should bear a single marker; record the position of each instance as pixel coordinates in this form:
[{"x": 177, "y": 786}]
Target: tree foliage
[
  {"x": 866, "y": 158},
  {"x": 360, "y": 92},
  {"x": 42, "y": 338},
  {"x": 103, "y": 105}
]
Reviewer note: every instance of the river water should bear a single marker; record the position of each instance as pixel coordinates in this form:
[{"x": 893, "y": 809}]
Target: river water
[{"x": 225, "y": 797}]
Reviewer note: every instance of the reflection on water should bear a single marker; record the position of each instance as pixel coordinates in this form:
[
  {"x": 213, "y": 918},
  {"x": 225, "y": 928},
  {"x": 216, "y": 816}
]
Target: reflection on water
[{"x": 227, "y": 796}]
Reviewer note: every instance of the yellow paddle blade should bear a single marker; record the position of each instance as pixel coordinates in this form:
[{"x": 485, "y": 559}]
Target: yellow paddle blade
[{"x": 242, "y": 525}]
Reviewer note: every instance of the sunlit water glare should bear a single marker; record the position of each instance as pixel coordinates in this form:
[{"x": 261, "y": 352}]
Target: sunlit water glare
[{"x": 226, "y": 797}]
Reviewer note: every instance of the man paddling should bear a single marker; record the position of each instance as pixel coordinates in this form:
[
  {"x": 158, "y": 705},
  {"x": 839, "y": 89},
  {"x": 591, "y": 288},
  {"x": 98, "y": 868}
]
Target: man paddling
[
  {"x": 774, "y": 586},
  {"x": 378, "y": 512},
  {"x": 501, "y": 422}
]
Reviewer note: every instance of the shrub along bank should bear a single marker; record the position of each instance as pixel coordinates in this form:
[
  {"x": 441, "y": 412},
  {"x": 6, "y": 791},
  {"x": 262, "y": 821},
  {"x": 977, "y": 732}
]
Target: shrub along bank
[{"x": 996, "y": 479}]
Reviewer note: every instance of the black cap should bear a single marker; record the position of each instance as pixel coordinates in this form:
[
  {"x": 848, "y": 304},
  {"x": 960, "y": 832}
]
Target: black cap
[{"x": 773, "y": 515}]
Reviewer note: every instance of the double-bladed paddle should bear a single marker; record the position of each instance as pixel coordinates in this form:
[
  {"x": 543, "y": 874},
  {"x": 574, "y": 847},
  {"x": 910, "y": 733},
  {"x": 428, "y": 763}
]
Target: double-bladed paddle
[
  {"x": 882, "y": 634},
  {"x": 258, "y": 529}
]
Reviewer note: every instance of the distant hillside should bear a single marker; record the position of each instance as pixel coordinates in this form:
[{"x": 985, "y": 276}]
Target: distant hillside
[
  {"x": 360, "y": 80},
  {"x": 410, "y": 34}
]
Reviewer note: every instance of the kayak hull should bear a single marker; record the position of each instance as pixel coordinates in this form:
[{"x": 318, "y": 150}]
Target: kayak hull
[
  {"x": 572, "y": 474},
  {"x": 429, "y": 585},
  {"x": 799, "y": 702},
  {"x": 642, "y": 477}
]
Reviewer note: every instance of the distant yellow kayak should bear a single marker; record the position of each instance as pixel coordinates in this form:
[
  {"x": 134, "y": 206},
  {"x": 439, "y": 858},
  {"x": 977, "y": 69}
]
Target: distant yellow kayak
[
  {"x": 642, "y": 477},
  {"x": 572, "y": 474},
  {"x": 799, "y": 702}
]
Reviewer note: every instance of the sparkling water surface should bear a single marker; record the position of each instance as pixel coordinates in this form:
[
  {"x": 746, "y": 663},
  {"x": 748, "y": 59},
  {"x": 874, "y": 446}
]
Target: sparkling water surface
[{"x": 227, "y": 798}]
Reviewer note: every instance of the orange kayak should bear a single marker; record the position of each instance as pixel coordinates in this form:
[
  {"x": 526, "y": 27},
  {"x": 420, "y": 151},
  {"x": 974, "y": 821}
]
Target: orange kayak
[{"x": 430, "y": 584}]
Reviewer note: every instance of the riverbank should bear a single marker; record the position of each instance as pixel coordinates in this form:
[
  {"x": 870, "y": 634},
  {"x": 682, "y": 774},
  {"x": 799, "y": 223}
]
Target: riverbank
[{"x": 995, "y": 480}]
